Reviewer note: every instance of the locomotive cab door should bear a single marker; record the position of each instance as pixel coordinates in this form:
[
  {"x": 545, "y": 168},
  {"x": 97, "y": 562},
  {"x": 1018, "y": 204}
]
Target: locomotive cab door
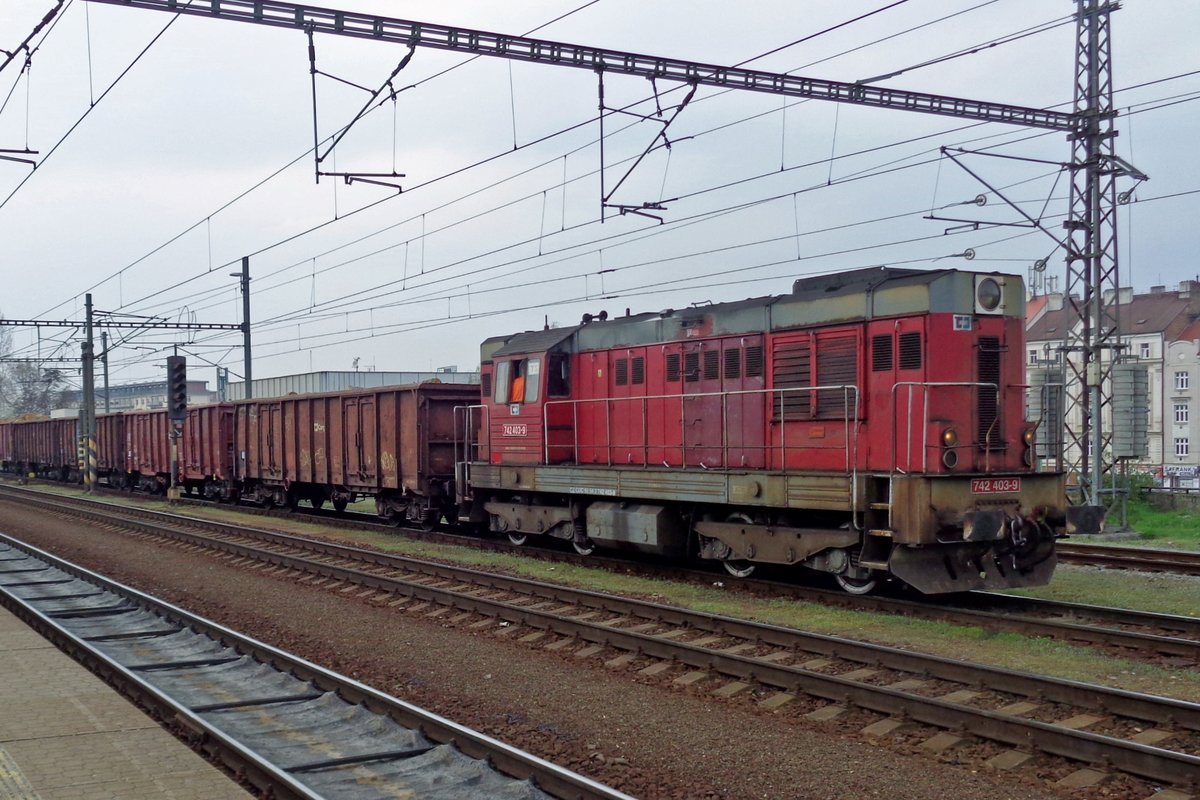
[{"x": 702, "y": 405}]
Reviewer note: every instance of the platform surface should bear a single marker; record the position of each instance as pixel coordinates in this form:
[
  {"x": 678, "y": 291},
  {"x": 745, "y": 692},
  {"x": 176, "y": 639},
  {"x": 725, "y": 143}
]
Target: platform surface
[{"x": 66, "y": 735}]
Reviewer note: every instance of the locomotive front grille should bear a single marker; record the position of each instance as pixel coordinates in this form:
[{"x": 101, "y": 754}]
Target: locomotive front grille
[{"x": 988, "y": 362}]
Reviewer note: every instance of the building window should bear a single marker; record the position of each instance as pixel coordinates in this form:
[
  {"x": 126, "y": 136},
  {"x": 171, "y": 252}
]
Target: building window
[
  {"x": 1181, "y": 446},
  {"x": 1144, "y": 349},
  {"x": 1033, "y": 356},
  {"x": 1181, "y": 380},
  {"x": 1181, "y": 413}
]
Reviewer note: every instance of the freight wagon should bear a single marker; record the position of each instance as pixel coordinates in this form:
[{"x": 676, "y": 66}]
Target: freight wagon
[{"x": 396, "y": 444}]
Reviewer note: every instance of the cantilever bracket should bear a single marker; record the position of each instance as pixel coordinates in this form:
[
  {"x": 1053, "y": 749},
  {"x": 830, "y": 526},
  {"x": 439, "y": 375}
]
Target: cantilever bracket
[
  {"x": 318, "y": 156},
  {"x": 1030, "y": 222},
  {"x": 25, "y": 151},
  {"x": 606, "y": 196}
]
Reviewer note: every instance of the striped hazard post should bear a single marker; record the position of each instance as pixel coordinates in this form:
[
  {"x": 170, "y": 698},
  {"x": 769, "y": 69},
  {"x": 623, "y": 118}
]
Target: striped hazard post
[{"x": 89, "y": 477}]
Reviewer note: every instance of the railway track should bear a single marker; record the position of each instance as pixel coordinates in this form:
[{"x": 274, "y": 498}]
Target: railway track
[
  {"x": 1150, "y": 737},
  {"x": 291, "y": 728},
  {"x": 1137, "y": 634},
  {"x": 1181, "y": 562}
]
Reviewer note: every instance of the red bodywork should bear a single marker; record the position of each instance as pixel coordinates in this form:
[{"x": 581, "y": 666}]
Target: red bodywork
[
  {"x": 148, "y": 445},
  {"x": 44, "y": 446},
  {"x": 206, "y": 446},
  {"x": 725, "y": 402},
  {"x": 393, "y": 439},
  {"x": 111, "y": 445}
]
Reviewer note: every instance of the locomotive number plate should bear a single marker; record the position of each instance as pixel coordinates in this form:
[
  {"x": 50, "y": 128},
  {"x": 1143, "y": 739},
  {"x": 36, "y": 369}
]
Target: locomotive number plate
[
  {"x": 995, "y": 485},
  {"x": 516, "y": 430}
]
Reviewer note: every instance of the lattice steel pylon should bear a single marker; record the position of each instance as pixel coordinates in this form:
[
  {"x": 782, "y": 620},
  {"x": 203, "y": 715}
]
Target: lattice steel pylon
[{"x": 1093, "y": 278}]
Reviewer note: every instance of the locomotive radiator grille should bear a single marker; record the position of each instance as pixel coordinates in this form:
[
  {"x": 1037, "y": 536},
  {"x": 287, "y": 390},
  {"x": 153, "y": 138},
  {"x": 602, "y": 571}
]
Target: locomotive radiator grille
[{"x": 988, "y": 359}]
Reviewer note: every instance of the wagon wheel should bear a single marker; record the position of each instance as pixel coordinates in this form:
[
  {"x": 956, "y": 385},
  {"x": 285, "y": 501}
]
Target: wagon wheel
[
  {"x": 293, "y": 501},
  {"x": 517, "y": 538},
  {"x": 429, "y": 520},
  {"x": 339, "y": 505},
  {"x": 318, "y": 504},
  {"x": 586, "y": 549}
]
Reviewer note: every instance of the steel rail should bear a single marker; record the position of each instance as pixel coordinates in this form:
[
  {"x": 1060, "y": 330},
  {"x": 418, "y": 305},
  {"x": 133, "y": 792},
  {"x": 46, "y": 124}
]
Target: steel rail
[
  {"x": 460, "y": 589},
  {"x": 1003, "y": 612},
  {"x": 522, "y": 48},
  {"x": 1182, "y": 562},
  {"x": 556, "y": 780}
]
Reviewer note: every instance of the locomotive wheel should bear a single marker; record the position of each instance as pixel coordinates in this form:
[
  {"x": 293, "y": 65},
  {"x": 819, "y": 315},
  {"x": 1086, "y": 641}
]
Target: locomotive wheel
[
  {"x": 856, "y": 585},
  {"x": 517, "y": 538},
  {"x": 585, "y": 549},
  {"x": 739, "y": 569}
]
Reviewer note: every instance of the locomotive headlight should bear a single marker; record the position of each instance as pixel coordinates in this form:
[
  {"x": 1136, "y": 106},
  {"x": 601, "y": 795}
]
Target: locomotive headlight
[
  {"x": 949, "y": 437},
  {"x": 988, "y": 294},
  {"x": 1029, "y": 436}
]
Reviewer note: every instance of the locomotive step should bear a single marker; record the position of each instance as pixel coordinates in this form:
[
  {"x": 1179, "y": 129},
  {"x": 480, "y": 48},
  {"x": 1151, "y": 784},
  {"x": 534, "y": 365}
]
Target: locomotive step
[
  {"x": 881, "y": 506},
  {"x": 885, "y": 532}
]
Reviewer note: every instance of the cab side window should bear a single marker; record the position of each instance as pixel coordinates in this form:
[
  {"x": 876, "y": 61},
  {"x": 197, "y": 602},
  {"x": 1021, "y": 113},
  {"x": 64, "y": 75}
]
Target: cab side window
[
  {"x": 518, "y": 381},
  {"x": 502, "y": 380}
]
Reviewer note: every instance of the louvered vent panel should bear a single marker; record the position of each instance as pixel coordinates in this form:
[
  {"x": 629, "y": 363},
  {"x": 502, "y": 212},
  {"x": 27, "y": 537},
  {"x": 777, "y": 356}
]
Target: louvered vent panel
[
  {"x": 691, "y": 367},
  {"x": 754, "y": 361},
  {"x": 989, "y": 372},
  {"x": 672, "y": 367},
  {"x": 712, "y": 365},
  {"x": 837, "y": 365},
  {"x": 733, "y": 364},
  {"x": 910, "y": 350},
  {"x": 622, "y": 371},
  {"x": 792, "y": 368},
  {"x": 881, "y": 352},
  {"x": 639, "y": 370},
  {"x": 485, "y": 384}
]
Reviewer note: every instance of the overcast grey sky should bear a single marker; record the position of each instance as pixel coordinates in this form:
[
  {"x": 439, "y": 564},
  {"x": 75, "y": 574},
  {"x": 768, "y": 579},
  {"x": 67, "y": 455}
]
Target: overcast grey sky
[{"x": 182, "y": 168}]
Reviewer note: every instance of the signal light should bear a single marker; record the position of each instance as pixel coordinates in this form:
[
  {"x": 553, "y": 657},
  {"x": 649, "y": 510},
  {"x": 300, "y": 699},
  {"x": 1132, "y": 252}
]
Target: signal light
[
  {"x": 176, "y": 388},
  {"x": 949, "y": 437}
]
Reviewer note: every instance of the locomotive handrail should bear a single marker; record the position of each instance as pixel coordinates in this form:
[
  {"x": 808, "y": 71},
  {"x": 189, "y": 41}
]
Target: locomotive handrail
[
  {"x": 851, "y": 437},
  {"x": 910, "y": 385},
  {"x": 1055, "y": 446},
  {"x": 461, "y": 465}
]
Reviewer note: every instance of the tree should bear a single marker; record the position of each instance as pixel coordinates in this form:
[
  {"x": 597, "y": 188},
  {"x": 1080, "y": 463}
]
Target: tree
[{"x": 27, "y": 388}]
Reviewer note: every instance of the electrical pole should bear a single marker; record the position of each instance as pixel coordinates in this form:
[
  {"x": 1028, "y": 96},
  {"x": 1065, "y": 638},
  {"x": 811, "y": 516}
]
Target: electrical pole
[
  {"x": 88, "y": 418},
  {"x": 245, "y": 275},
  {"x": 104, "y": 360},
  {"x": 1093, "y": 280}
]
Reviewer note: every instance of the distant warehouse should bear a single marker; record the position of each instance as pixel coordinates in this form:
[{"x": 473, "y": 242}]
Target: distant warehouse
[{"x": 314, "y": 382}]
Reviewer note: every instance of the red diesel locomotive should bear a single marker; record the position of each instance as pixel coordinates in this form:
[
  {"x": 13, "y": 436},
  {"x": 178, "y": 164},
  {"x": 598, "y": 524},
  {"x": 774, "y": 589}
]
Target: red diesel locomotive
[{"x": 869, "y": 424}]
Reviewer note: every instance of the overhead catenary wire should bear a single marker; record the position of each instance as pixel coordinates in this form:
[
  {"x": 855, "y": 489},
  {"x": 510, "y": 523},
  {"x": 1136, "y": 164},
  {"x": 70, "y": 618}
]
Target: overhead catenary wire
[{"x": 479, "y": 163}]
